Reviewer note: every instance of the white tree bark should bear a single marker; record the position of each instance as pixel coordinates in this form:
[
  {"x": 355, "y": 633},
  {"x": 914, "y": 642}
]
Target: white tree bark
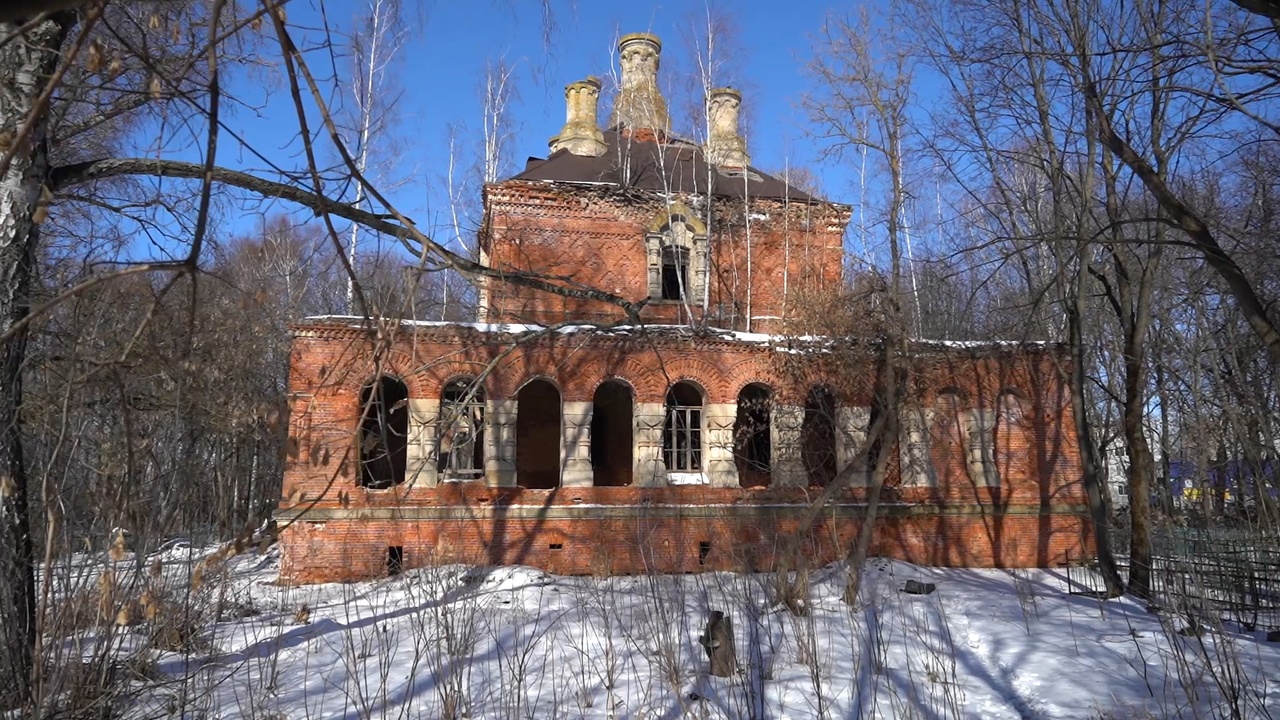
[{"x": 26, "y": 64}]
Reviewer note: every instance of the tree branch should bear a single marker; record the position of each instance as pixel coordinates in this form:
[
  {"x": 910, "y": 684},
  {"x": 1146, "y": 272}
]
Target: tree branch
[{"x": 79, "y": 173}]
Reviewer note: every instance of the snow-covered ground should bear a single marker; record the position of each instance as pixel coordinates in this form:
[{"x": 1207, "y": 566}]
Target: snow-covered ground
[{"x": 518, "y": 643}]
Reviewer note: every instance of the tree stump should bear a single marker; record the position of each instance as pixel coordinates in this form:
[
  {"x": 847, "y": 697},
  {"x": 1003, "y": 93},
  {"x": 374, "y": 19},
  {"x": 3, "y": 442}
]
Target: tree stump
[{"x": 717, "y": 640}]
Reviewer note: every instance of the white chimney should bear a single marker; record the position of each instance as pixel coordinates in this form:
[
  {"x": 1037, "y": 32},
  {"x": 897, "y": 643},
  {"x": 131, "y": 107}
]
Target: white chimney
[
  {"x": 725, "y": 146},
  {"x": 581, "y": 135}
]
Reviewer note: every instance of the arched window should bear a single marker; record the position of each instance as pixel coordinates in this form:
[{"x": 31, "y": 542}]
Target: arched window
[
  {"x": 682, "y": 435},
  {"x": 818, "y": 436},
  {"x": 675, "y": 273},
  {"x": 611, "y": 435},
  {"x": 752, "y": 446},
  {"x": 384, "y": 433},
  {"x": 538, "y": 436},
  {"x": 676, "y": 247},
  {"x": 1011, "y": 411},
  {"x": 461, "y": 448}
]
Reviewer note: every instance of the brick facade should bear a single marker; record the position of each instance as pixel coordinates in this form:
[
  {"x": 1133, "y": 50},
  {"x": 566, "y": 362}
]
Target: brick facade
[
  {"x": 1034, "y": 514},
  {"x": 596, "y": 236},
  {"x": 686, "y": 439}
]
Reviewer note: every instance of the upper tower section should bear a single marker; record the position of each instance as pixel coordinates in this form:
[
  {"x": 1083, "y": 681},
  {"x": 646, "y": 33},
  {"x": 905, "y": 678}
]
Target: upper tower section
[
  {"x": 639, "y": 105},
  {"x": 688, "y": 230}
]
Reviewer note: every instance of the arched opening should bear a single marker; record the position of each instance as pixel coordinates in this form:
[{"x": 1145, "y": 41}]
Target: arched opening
[
  {"x": 675, "y": 272},
  {"x": 818, "y": 436},
  {"x": 461, "y": 449},
  {"x": 538, "y": 436},
  {"x": 752, "y": 450},
  {"x": 682, "y": 433},
  {"x": 384, "y": 432},
  {"x": 611, "y": 435}
]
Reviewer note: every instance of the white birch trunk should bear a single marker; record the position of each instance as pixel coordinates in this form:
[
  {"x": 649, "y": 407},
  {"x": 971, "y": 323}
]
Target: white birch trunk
[{"x": 26, "y": 63}]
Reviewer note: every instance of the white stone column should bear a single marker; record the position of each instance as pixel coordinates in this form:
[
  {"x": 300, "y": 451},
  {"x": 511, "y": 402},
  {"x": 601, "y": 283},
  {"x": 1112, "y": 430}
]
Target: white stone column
[
  {"x": 852, "y": 426},
  {"x": 500, "y": 443},
  {"x": 576, "y": 445},
  {"x": 785, "y": 422},
  {"x": 717, "y": 442},
  {"x": 420, "y": 466},
  {"x": 649, "y": 468}
]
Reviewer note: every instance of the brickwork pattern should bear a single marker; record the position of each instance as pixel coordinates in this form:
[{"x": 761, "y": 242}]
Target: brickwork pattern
[
  {"x": 1033, "y": 517},
  {"x": 597, "y": 237}
]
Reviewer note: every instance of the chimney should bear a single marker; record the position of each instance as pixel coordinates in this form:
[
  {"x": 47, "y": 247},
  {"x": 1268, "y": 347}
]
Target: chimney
[
  {"x": 725, "y": 146},
  {"x": 639, "y": 105},
  {"x": 581, "y": 135}
]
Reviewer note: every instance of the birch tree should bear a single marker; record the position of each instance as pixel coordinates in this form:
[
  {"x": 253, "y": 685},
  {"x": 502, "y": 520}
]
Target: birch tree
[{"x": 374, "y": 47}]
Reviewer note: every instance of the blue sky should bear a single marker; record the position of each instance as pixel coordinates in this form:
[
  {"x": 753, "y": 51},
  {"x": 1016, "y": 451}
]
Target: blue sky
[{"x": 439, "y": 70}]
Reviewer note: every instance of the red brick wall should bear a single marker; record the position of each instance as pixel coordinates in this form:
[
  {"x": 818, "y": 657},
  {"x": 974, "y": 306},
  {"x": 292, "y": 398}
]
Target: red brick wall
[
  {"x": 1033, "y": 517},
  {"x": 345, "y": 550},
  {"x": 598, "y": 238}
]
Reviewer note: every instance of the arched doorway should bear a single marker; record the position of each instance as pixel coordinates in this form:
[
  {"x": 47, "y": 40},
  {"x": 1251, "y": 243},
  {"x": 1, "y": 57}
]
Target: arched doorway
[
  {"x": 611, "y": 435},
  {"x": 538, "y": 436},
  {"x": 752, "y": 449},
  {"x": 384, "y": 433},
  {"x": 818, "y": 436}
]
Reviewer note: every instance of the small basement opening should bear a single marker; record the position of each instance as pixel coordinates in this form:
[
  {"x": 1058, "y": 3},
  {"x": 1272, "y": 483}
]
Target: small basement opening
[
  {"x": 395, "y": 559},
  {"x": 538, "y": 436},
  {"x": 704, "y": 550},
  {"x": 611, "y": 433}
]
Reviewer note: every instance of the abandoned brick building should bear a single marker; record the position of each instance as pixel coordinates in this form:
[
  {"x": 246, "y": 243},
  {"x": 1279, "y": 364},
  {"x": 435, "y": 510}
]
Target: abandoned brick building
[{"x": 559, "y": 433}]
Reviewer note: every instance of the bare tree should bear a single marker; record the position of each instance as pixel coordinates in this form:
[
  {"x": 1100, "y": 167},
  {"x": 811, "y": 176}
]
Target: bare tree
[{"x": 375, "y": 45}]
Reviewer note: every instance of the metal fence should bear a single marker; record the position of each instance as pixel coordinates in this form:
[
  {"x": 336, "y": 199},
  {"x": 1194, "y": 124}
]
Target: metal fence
[{"x": 1203, "y": 574}]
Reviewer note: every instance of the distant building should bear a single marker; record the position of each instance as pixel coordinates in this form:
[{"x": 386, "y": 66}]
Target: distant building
[{"x": 696, "y": 439}]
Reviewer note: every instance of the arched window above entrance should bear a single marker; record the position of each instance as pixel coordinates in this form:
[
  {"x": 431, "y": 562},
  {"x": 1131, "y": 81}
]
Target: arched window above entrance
[{"x": 676, "y": 246}]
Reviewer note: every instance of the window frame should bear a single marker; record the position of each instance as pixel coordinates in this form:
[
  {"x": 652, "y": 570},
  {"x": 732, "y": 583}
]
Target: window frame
[
  {"x": 468, "y": 404},
  {"x": 682, "y": 432}
]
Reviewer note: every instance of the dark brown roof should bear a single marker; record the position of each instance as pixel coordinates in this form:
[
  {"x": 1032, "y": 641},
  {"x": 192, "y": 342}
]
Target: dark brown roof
[{"x": 673, "y": 166}]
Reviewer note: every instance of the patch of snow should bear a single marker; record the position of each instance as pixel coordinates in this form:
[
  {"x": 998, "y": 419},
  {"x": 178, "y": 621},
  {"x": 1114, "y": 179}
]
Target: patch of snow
[
  {"x": 503, "y": 642},
  {"x": 687, "y": 478},
  {"x": 731, "y": 335}
]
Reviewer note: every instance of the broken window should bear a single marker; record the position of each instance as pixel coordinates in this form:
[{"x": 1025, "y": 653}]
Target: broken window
[
  {"x": 818, "y": 436},
  {"x": 752, "y": 450},
  {"x": 461, "y": 448},
  {"x": 682, "y": 435},
  {"x": 675, "y": 273},
  {"x": 384, "y": 433},
  {"x": 611, "y": 434},
  {"x": 538, "y": 436},
  {"x": 676, "y": 248}
]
